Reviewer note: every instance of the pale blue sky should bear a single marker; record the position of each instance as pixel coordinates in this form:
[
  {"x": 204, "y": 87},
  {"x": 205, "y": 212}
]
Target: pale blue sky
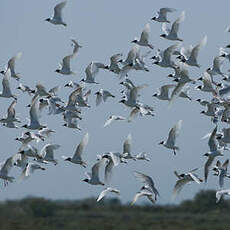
[{"x": 104, "y": 28}]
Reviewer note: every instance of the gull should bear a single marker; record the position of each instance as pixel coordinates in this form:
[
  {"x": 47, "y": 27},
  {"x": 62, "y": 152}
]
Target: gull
[
  {"x": 77, "y": 157},
  {"x": 93, "y": 177},
  {"x": 11, "y": 66},
  {"x": 215, "y": 69},
  {"x": 127, "y": 148},
  {"x": 177, "y": 91},
  {"x": 71, "y": 105},
  {"x": 76, "y": 46},
  {"x": 34, "y": 119},
  {"x": 173, "y": 133},
  {"x": 82, "y": 99},
  {"x": 106, "y": 191},
  {"x": 211, "y": 110},
  {"x": 47, "y": 154},
  {"x": 207, "y": 84},
  {"x": 214, "y": 152},
  {"x": 202, "y": 102},
  {"x": 132, "y": 95},
  {"x": 41, "y": 91},
  {"x": 130, "y": 60},
  {"x": 72, "y": 84},
  {"x": 226, "y": 135},
  {"x": 140, "y": 61},
  {"x": 148, "y": 183},
  {"x": 141, "y": 109},
  {"x": 57, "y": 17},
  {"x": 184, "y": 179},
  {"x": 164, "y": 92},
  {"x": 30, "y": 152},
  {"x": 184, "y": 93},
  {"x": 25, "y": 88},
  {"x": 92, "y": 70},
  {"x": 102, "y": 95},
  {"x": 29, "y": 169},
  {"x": 5, "y": 168},
  {"x": 45, "y": 132},
  {"x": 53, "y": 91},
  {"x": 191, "y": 60},
  {"x": 162, "y": 15},
  {"x": 113, "y": 118},
  {"x": 20, "y": 160},
  {"x": 11, "y": 114},
  {"x": 220, "y": 193},
  {"x": 171, "y": 33},
  {"x": 221, "y": 171},
  {"x": 6, "y": 91},
  {"x": 144, "y": 39},
  {"x": 72, "y": 123},
  {"x": 25, "y": 139},
  {"x": 65, "y": 66},
  {"x": 113, "y": 159},
  {"x": 166, "y": 58},
  {"x": 142, "y": 156},
  {"x": 143, "y": 192},
  {"x": 184, "y": 76},
  {"x": 114, "y": 60}
]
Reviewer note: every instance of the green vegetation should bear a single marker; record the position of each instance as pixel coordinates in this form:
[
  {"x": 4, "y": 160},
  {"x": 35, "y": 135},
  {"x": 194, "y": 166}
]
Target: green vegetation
[{"x": 201, "y": 213}]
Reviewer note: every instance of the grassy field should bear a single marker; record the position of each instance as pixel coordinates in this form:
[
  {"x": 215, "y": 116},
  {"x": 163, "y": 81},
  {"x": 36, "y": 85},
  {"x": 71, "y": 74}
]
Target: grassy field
[{"x": 201, "y": 213}]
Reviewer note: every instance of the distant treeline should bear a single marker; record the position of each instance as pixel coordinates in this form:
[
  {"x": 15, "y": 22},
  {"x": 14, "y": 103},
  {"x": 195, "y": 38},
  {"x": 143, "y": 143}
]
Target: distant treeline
[{"x": 30, "y": 213}]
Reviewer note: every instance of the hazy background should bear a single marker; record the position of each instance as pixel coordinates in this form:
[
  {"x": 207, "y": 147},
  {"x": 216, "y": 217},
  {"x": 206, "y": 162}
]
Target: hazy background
[{"x": 104, "y": 28}]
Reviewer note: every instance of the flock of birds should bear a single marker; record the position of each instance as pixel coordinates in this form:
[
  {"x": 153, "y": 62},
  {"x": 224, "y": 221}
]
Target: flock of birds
[{"x": 175, "y": 57}]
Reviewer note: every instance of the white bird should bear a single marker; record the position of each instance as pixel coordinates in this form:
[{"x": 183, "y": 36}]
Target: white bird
[
  {"x": 30, "y": 152},
  {"x": 34, "y": 117},
  {"x": 6, "y": 91},
  {"x": 142, "y": 156},
  {"x": 65, "y": 66},
  {"x": 5, "y": 168},
  {"x": 184, "y": 179},
  {"x": 214, "y": 152},
  {"x": 93, "y": 177},
  {"x": 173, "y": 133},
  {"x": 29, "y": 169},
  {"x": 76, "y": 46},
  {"x": 47, "y": 154},
  {"x": 148, "y": 183},
  {"x": 220, "y": 193},
  {"x": 191, "y": 60},
  {"x": 215, "y": 69},
  {"x": 221, "y": 171},
  {"x": 106, "y": 191},
  {"x": 114, "y": 118},
  {"x": 92, "y": 70},
  {"x": 11, "y": 115},
  {"x": 11, "y": 66},
  {"x": 20, "y": 160},
  {"x": 102, "y": 95},
  {"x": 165, "y": 60},
  {"x": 207, "y": 84},
  {"x": 172, "y": 33},
  {"x": 57, "y": 17},
  {"x": 143, "y": 192},
  {"x": 131, "y": 57},
  {"x": 144, "y": 39},
  {"x": 77, "y": 157},
  {"x": 127, "y": 148},
  {"x": 162, "y": 15},
  {"x": 164, "y": 92},
  {"x": 114, "y": 60},
  {"x": 25, "y": 88}
]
